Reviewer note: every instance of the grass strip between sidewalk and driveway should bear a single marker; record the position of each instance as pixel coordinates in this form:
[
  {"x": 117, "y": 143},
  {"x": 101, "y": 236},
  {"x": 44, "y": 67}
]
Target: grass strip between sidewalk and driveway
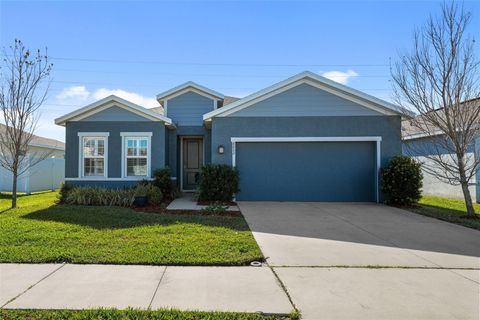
[
  {"x": 38, "y": 231},
  {"x": 132, "y": 314},
  {"x": 451, "y": 210}
]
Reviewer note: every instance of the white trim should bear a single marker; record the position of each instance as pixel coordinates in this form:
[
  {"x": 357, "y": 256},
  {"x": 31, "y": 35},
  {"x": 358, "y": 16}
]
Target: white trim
[
  {"x": 423, "y": 135},
  {"x": 105, "y": 179},
  {"x": 109, "y": 102},
  {"x": 93, "y": 134},
  {"x": 376, "y": 139},
  {"x": 81, "y": 136},
  {"x": 304, "y": 139},
  {"x": 46, "y": 146},
  {"x": 136, "y": 134},
  {"x": 189, "y": 86},
  {"x": 148, "y": 136},
  {"x": 310, "y": 78},
  {"x": 181, "y": 158},
  {"x": 165, "y": 106}
]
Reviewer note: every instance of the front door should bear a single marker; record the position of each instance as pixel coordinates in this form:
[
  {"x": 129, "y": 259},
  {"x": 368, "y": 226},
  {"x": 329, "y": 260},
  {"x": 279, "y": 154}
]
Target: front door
[{"x": 192, "y": 161}]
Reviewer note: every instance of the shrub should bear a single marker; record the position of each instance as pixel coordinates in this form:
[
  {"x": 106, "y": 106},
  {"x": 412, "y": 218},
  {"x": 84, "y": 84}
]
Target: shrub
[
  {"x": 154, "y": 195},
  {"x": 215, "y": 208},
  {"x": 218, "y": 183},
  {"x": 402, "y": 181},
  {"x": 163, "y": 181},
  {"x": 92, "y": 196},
  {"x": 64, "y": 191}
]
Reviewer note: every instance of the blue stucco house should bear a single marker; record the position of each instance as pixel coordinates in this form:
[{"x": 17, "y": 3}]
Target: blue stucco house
[
  {"x": 306, "y": 138},
  {"x": 420, "y": 145}
]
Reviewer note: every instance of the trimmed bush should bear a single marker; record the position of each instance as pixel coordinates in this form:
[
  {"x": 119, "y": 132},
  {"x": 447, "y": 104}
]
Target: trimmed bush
[
  {"x": 64, "y": 190},
  {"x": 164, "y": 182},
  {"x": 218, "y": 183},
  {"x": 402, "y": 181}
]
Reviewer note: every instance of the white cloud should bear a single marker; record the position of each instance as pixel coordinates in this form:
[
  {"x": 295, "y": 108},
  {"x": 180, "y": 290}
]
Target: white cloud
[
  {"x": 130, "y": 96},
  {"x": 340, "y": 76},
  {"x": 74, "y": 92}
]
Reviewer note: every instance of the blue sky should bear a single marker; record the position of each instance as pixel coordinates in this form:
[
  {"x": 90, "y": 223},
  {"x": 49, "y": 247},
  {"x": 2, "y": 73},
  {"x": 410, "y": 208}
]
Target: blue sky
[{"x": 138, "y": 49}]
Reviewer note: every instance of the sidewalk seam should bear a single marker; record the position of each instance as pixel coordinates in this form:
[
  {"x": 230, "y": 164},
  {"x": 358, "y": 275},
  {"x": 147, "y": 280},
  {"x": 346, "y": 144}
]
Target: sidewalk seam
[
  {"x": 284, "y": 288},
  {"x": 33, "y": 285},
  {"x": 156, "y": 289}
]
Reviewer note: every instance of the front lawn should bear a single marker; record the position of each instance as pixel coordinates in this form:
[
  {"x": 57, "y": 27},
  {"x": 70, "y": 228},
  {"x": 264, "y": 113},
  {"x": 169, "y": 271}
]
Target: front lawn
[
  {"x": 450, "y": 210},
  {"x": 112, "y": 314},
  {"x": 38, "y": 231}
]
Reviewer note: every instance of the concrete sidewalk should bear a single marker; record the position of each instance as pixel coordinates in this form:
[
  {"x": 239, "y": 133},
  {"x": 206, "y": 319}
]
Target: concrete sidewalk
[
  {"x": 68, "y": 286},
  {"x": 187, "y": 202}
]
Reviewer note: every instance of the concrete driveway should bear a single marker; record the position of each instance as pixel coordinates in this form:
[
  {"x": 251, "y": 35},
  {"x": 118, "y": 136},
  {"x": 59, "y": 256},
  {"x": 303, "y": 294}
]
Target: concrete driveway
[{"x": 324, "y": 254}]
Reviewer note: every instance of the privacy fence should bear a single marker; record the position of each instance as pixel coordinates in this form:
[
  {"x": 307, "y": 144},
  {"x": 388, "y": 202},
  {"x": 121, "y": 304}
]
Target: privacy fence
[{"x": 45, "y": 175}]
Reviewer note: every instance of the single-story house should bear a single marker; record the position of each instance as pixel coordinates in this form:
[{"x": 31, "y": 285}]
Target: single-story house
[
  {"x": 419, "y": 144},
  {"x": 306, "y": 138},
  {"x": 47, "y": 174}
]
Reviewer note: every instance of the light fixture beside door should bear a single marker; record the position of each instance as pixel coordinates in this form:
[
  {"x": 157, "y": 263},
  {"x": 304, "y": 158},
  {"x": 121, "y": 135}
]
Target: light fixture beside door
[{"x": 221, "y": 149}]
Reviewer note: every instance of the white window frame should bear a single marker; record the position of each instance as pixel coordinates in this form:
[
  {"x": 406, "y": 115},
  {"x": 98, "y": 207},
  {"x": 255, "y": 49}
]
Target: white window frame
[
  {"x": 136, "y": 135},
  {"x": 96, "y": 135}
]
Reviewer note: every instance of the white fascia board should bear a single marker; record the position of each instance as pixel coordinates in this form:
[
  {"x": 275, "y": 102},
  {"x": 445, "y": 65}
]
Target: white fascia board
[
  {"x": 46, "y": 146},
  {"x": 108, "y": 102},
  {"x": 187, "y": 85},
  {"x": 312, "y": 79}
]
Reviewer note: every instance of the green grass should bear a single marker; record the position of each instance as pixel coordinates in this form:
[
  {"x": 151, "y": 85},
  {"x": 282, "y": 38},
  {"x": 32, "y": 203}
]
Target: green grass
[
  {"x": 38, "y": 231},
  {"x": 113, "y": 314},
  {"x": 450, "y": 210}
]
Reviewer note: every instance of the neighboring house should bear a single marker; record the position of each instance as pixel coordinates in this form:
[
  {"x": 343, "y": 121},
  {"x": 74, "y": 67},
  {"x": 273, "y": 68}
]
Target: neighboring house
[
  {"x": 419, "y": 144},
  {"x": 306, "y": 138},
  {"x": 47, "y": 174}
]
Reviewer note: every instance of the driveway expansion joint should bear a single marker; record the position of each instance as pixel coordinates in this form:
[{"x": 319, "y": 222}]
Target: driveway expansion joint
[
  {"x": 33, "y": 285},
  {"x": 158, "y": 286}
]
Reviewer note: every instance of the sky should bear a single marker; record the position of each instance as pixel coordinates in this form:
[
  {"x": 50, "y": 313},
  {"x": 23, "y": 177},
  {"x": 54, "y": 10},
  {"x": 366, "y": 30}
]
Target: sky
[{"x": 138, "y": 49}]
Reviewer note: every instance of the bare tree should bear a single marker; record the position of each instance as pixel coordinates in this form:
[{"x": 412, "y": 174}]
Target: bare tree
[
  {"x": 439, "y": 81},
  {"x": 23, "y": 89}
]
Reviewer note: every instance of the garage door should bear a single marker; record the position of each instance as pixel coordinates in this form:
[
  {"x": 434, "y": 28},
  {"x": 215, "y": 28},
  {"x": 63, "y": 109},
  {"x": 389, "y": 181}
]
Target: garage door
[{"x": 306, "y": 171}]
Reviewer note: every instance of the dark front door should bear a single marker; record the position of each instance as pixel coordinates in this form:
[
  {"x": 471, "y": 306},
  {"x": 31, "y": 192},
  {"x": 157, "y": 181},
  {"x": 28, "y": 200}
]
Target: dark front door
[{"x": 192, "y": 161}]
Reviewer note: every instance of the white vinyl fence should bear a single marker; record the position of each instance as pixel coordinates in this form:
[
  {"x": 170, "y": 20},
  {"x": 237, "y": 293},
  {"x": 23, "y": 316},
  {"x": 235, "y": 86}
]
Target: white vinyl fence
[{"x": 48, "y": 174}]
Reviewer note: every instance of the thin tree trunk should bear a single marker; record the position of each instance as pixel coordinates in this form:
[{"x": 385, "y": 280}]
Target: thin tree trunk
[
  {"x": 14, "y": 189},
  {"x": 466, "y": 191}
]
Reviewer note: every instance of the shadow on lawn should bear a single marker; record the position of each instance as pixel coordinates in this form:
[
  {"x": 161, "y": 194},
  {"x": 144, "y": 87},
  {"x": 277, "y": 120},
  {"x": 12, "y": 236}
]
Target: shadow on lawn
[
  {"x": 448, "y": 214},
  {"x": 122, "y": 218}
]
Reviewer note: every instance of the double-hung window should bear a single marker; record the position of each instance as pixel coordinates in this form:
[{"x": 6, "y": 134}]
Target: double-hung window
[
  {"x": 93, "y": 154},
  {"x": 136, "y": 150}
]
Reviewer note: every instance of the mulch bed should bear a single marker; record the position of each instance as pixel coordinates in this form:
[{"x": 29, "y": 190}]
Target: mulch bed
[{"x": 163, "y": 210}]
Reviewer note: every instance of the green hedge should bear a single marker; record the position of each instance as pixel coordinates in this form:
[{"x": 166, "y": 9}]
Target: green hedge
[
  {"x": 402, "y": 181},
  {"x": 218, "y": 183}
]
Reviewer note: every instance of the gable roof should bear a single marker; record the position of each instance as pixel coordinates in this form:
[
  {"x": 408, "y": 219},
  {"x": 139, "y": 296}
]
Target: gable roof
[
  {"x": 189, "y": 86},
  {"x": 313, "y": 79},
  {"x": 425, "y": 129},
  {"x": 229, "y": 99},
  {"x": 108, "y": 102},
  {"x": 38, "y": 141}
]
